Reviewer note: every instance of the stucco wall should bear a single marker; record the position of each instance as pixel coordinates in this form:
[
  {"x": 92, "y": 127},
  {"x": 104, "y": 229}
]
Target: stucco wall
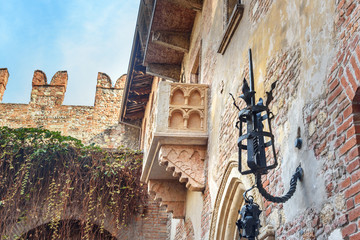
[{"x": 301, "y": 45}]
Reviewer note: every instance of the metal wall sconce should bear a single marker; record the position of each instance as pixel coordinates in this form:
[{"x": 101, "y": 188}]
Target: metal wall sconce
[{"x": 258, "y": 141}]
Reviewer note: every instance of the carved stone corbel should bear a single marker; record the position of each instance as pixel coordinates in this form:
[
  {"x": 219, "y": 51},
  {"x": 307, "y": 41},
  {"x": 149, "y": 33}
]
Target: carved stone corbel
[{"x": 186, "y": 163}]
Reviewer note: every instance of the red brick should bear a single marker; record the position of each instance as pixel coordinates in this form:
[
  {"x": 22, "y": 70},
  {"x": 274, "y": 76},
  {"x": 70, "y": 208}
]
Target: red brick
[
  {"x": 344, "y": 184},
  {"x": 350, "y": 132},
  {"x": 339, "y": 141},
  {"x": 340, "y": 99},
  {"x": 266, "y": 183},
  {"x": 333, "y": 85},
  {"x": 348, "y": 145},
  {"x": 343, "y": 81},
  {"x": 349, "y": 229},
  {"x": 268, "y": 211},
  {"x": 356, "y": 236},
  {"x": 315, "y": 221},
  {"x": 320, "y": 148},
  {"x": 355, "y": 67},
  {"x": 350, "y": 92},
  {"x": 348, "y": 111},
  {"x": 355, "y": 176},
  {"x": 329, "y": 188},
  {"x": 334, "y": 94},
  {"x": 354, "y": 214},
  {"x": 352, "y": 166},
  {"x": 353, "y": 154},
  {"x": 341, "y": 69},
  {"x": 350, "y": 204},
  {"x": 358, "y": 52},
  {"x": 340, "y": 5},
  {"x": 357, "y": 199},
  {"x": 350, "y": 9},
  {"x": 339, "y": 120},
  {"x": 351, "y": 78},
  {"x": 344, "y": 126},
  {"x": 354, "y": 189},
  {"x": 354, "y": 42}
]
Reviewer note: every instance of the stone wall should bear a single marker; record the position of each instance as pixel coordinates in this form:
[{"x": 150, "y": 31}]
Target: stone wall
[
  {"x": 92, "y": 124},
  {"x": 311, "y": 48},
  {"x": 97, "y": 124}
]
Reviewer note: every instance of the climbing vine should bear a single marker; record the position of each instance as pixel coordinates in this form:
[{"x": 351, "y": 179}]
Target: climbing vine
[{"x": 44, "y": 175}]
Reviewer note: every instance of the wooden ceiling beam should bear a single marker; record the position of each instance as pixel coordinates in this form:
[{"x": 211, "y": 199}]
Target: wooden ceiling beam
[
  {"x": 141, "y": 91},
  {"x": 168, "y": 71},
  {"x": 179, "y": 41},
  {"x": 195, "y": 5},
  {"x": 136, "y": 115}
]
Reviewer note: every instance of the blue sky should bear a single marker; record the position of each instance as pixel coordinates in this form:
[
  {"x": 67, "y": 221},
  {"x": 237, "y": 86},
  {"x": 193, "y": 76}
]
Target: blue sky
[{"x": 82, "y": 37}]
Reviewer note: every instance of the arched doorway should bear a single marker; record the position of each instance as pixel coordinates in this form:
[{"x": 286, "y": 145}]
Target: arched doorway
[
  {"x": 229, "y": 201},
  {"x": 67, "y": 229}
]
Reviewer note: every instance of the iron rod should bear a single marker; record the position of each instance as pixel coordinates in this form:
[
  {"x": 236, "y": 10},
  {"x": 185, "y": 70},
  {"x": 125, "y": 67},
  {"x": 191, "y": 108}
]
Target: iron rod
[{"x": 251, "y": 73}]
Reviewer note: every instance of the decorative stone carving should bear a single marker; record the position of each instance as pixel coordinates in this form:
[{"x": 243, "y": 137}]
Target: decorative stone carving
[
  {"x": 171, "y": 194},
  {"x": 175, "y": 143},
  {"x": 186, "y": 163},
  {"x": 187, "y": 109}
]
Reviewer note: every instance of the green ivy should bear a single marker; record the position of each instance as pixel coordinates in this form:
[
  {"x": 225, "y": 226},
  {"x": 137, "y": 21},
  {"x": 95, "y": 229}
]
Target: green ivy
[{"x": 42, "y": 168}]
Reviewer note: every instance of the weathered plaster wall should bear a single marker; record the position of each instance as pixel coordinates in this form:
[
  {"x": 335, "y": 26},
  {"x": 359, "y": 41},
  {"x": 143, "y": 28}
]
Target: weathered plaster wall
[{"x": 297, "y": 43}]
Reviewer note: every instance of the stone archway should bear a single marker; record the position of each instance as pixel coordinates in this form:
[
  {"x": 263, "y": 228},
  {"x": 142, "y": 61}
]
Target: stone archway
[
  {"x": 38, "y": 219},
  {"x": 229, "y": 201},
  {"x": 67, "y": 229}
]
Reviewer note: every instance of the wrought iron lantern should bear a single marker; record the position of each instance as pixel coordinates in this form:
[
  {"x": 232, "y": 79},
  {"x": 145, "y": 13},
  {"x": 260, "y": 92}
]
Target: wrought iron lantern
[{"x": 257, "y": 142}]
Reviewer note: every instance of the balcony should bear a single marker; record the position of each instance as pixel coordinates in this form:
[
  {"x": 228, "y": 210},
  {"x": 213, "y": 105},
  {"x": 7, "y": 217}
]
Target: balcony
[{"x": 175, "y": 140}]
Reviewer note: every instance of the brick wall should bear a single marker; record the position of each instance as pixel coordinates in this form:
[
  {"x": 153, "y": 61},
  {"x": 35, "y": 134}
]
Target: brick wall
[
  {"x": 332, "y": 133},
  {"x": 151, "y": 226},
  {"x": 331, "y": 126},
  {"x": 343, "y": 104},
  {"x": 184, "y": 230},
  {"x": 258, "y": 8},
  {"x": 206, "y": 212},
  {"x": 97, "y": 124}
]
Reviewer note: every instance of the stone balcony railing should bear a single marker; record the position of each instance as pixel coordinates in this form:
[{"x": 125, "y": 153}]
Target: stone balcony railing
[{"x": 175, "y": 143}]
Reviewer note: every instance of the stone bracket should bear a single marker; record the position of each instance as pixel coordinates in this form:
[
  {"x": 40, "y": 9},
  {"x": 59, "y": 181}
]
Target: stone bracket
[
  {"x": 186, "y": 163},
  {"x": 171, "y": 194}
]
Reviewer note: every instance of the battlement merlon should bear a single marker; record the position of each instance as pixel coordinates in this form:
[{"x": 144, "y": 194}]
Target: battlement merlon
[
  {"x": 51, "y": 94},
  {"x": 106, "y": 94},
  {"x": 4, "y": 76},
  {"x": 104, "y": 81}
]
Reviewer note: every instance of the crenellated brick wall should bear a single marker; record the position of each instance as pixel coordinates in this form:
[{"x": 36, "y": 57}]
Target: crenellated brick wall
[{"x": 96, "y": 124}]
